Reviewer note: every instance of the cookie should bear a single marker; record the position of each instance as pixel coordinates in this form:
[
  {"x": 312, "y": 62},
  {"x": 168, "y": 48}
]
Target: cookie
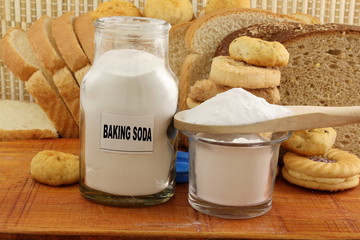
[
  {"x": 55, "y": 168},
  {"x": 238, "y": 74},
  {"x": 310, "y": 142},
  {"x": 203, "y": 90},
  {"x": 336, "y": 170},
  {"x": 259, "y": 52},
  {"x": 191, "y": 103}
]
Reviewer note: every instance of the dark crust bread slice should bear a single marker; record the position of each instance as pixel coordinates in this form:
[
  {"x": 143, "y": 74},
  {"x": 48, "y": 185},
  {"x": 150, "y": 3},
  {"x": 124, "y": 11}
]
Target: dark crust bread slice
[{"x": 280, "y": 32}]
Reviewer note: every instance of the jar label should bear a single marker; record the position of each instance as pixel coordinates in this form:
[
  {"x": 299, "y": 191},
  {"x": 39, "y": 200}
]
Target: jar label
[{"x": 127, "y": 133}]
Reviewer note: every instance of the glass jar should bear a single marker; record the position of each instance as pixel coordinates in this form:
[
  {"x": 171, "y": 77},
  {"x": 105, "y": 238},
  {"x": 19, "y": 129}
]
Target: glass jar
[
  {"x": 233, "y": 175},
  {"x": 128, "y": 99}
]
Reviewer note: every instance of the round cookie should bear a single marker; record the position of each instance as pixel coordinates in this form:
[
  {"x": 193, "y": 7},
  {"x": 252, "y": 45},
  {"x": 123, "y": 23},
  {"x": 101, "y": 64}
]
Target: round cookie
[
  {"x": 55, "y": 168},
  {"x": 203, "y": 90},
  {"x": 336, "y": 170},
  {"x": 172, "y": 11},
  {"x": 238, "y": 74},
  {"x": 310, "y": 142},
  {"x": 259, "y": 52}
]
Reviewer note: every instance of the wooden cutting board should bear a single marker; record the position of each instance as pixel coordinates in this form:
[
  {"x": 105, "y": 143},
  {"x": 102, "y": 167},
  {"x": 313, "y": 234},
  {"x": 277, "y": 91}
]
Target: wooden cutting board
[{"x": 29, "y": 210}]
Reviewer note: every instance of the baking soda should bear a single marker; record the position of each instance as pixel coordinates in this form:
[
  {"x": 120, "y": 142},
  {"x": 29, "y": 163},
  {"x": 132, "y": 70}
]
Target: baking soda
[
  {"x": 235, "y": 170},
  {"x": 233, "y": 175},
  {"x": 128, "y": 112},
  {"x": 234, "y": 107}
]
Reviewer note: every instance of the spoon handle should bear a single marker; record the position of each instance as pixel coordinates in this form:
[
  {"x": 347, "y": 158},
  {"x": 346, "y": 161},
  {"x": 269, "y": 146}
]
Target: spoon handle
[{"x": 303, "y": 117}]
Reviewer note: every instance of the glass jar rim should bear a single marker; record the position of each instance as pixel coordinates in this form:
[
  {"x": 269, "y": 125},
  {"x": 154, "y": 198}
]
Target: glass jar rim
[
  {"x": 276, "y": 137},
  {"x": 132, "y": 23}
]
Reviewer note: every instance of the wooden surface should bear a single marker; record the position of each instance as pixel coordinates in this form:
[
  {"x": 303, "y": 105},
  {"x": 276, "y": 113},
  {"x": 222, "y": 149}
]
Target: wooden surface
[{"x": 29, "y": 210}]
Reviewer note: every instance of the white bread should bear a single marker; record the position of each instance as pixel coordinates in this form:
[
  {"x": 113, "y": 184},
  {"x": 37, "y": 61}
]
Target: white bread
[
  {"x": 177, "y": 49},
  {"x": 67, "y": 42},
  {"x": 23, "y": 120},
  {"x": 85, "y": 31},
  {"x": 40, "y": 84},
  {"x": 52, "y": 104},
  {"x": 206, "y": 33},
  {"x": 16, "y": 51},
  {"x": 43, "y": 44},
  {"x": 79, "y": 74},
  {"x": 307, "y": 18},
  {"x": 324, "y": 69},
  {"x": 69, "y": 91}
]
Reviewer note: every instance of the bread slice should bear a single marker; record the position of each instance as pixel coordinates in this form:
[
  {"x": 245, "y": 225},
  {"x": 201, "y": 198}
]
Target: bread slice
[
  {"x": 16, "y": 51},
  {"x": 177, "y": 49},
  {"x": 23, "y": 120},
  {"x": 85, "y": 31},
  {"x": 324, "y": 69},
  {"x": 278, "y": 32},
  {"x": 67, "y": 42},
  {"x": 69, "y": 91},
  {"x": 307, "y": 18},
  {"x": 49, "y": 100},
  {"x": 43, "y": 44},
  {"x": 206, "y": 33},
  {"x": 79, "y": 75}
]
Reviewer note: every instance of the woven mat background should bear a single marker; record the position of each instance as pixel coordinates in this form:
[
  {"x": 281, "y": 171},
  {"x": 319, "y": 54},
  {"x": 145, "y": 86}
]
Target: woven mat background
[{"x": 21, "y": 13}]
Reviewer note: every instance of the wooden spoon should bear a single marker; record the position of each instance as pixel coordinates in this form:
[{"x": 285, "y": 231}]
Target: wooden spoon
[{"x": 303, "y": 117}]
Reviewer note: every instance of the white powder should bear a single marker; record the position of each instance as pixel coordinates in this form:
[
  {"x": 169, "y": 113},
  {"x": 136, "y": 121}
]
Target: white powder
[
  {"x": 234, "y": 107},
  {"x": 139, "y": 93},
  {"x": 233, "y": 175}
]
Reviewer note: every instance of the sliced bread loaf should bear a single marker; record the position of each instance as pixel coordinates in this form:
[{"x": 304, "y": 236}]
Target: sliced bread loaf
[
  {"x": 23, "y": 120},
  {"x": 44, "y": 46},
  {"x": 40, "y": 84}
]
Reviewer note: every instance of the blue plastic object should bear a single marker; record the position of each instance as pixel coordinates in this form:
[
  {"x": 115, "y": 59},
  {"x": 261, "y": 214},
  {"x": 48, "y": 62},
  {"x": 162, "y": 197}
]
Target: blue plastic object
[{"x": 182, "y": 167}]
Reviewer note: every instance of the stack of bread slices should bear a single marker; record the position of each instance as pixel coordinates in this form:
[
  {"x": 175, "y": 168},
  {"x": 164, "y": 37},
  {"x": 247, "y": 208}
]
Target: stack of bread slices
[{"x": 50, "y": 59}]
